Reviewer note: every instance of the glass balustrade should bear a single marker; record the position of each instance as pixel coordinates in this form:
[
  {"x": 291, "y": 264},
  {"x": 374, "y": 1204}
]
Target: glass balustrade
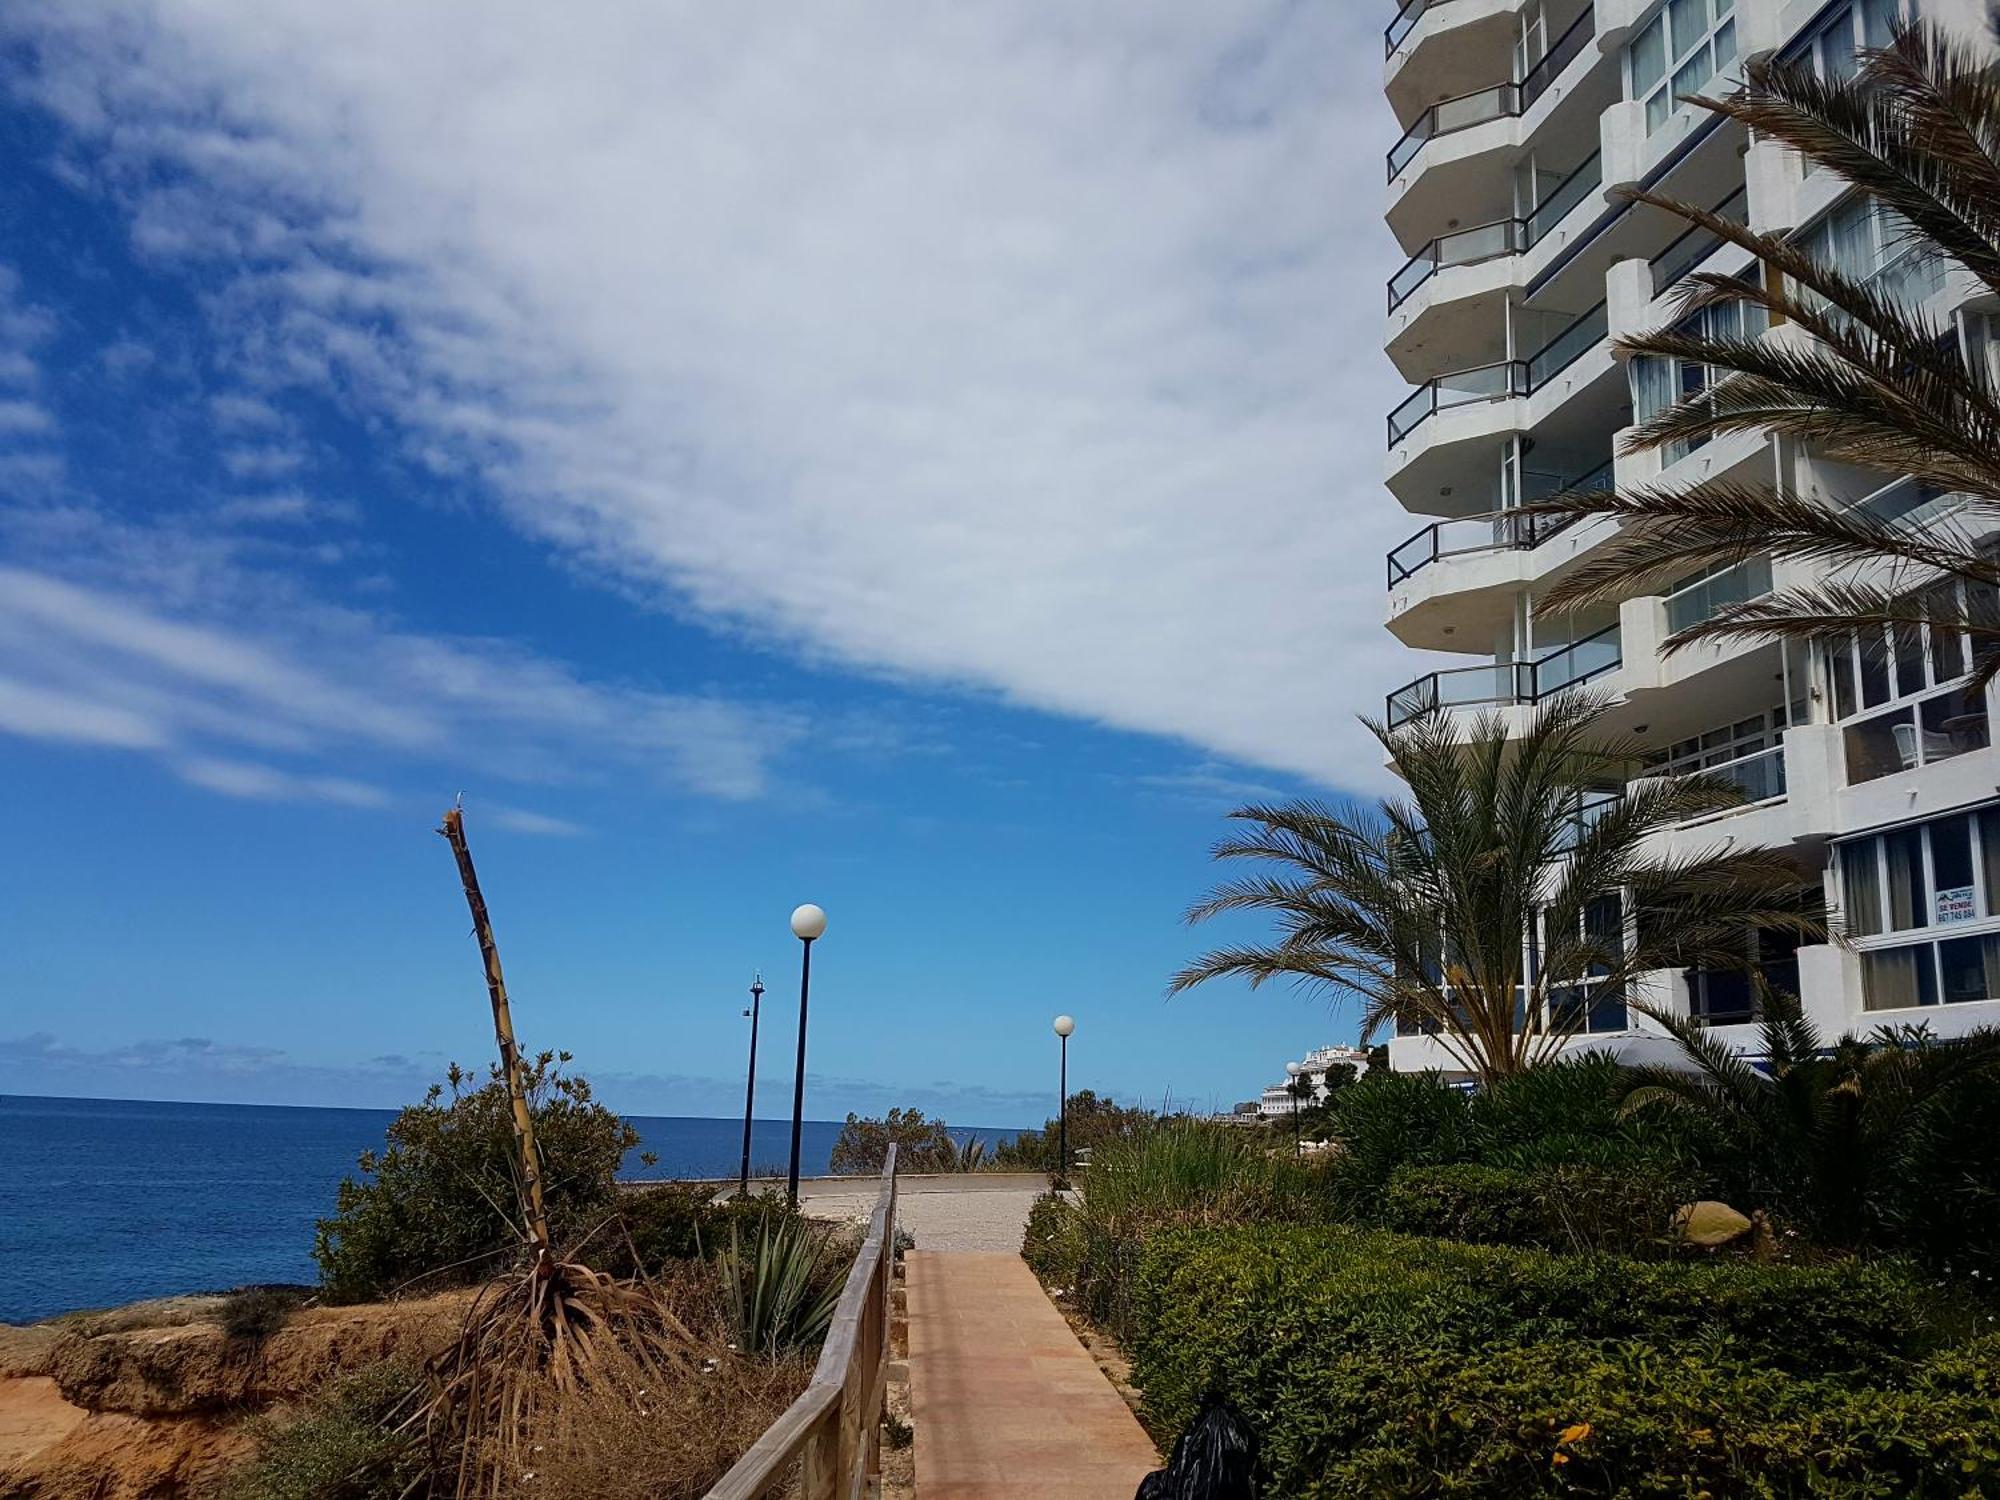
[
  {"x": 1491, "y": 683},
  {"x": 1703, "y": 600}
]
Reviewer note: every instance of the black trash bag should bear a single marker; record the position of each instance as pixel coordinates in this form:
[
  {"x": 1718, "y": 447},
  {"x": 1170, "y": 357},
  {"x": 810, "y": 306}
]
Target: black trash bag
[{"x": 1215, "y": 1459}]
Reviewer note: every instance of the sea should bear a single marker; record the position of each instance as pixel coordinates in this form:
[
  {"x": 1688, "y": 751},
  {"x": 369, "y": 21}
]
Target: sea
[{"x": 106, "y": 1201}]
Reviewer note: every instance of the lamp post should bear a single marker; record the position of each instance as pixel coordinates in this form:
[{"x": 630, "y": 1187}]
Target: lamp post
[
  {"x": 808, "y": 923},
  {"x": 1064, "y": 1026},
  {"x": 750, "y": 1088},
  {"x": 1293, "y": 1070}
]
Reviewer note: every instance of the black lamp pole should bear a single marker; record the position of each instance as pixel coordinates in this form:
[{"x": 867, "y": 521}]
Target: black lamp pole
[
  {"x": 1063, "y": 1027},
  {"x": 750, "y": 1088},
  {"x": 808, "y": 922}
]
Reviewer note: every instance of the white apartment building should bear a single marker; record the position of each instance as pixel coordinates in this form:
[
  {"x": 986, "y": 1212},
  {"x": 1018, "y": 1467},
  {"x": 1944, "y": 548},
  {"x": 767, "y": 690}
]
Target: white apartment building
[
  {"x": 1277, "y": 1097},
  {"x": 1867, "y": 758}
]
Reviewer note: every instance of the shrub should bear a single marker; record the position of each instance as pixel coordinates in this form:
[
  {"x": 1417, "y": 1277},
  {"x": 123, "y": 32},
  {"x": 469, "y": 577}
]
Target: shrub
[
  {"x": 340, "y": 1446},
  {"x": 1555, "y": 1207},
  {"x": 661, "y": 1224},
  {"x": 921, "y": 1145},
  {"x": 255, "y": 1312},
  {"x": 439, "y": 1204},
  {"x": 1391, "y": 1120},
  {"x": 1176, "y": 1174},
  {"x": 1373, "y": 1363},
  {"x": 781, "y": 1281},
  {"x": 1094, "y": 1122}
]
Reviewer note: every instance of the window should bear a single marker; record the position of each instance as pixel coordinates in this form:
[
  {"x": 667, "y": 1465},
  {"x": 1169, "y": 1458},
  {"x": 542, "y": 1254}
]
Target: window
[
  {"x": 1728, "y": 997},
  {"x": 1658, "y": 383},
  {"x": 1749, "y": 752},
  {"x": 1922, "y": 671},
  {"x": 1589, "y": 1001},
  {"x": 1939, "y": 882},
  {"x": 1687, "y": 43},
  {"x": 1871, "y": 245}
]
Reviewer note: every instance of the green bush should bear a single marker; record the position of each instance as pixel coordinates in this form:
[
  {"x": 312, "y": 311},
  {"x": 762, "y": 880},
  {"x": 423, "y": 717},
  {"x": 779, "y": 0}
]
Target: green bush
[
  {"x": 341, "y": 1446},
  {"x": 1094, "y": 1122},
  {"x": 1577, "y": 1208},
  {"x": 1373, "y": 1363},
  {"x": 256, "y": 1312},
  {"x": 662, "y": 1223},
  {"x": 1175, "y": 1174},
  {"x": 1392, "y": 1120},
  {"x": 921, "y": 1145},
  {"x": 439, "y": 1204}
]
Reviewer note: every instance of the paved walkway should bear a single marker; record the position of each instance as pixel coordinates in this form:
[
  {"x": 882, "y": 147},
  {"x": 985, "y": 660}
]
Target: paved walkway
[{"x": 1007, "y": 1402}]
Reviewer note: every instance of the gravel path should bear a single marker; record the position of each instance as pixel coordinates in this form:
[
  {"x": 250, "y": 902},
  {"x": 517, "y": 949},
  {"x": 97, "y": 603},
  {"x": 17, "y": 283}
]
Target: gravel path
[{"x": 982, "y": 1219}]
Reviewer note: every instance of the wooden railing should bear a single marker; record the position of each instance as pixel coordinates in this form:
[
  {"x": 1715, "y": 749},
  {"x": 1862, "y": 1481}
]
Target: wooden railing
[{"x": 834, "y": 1430}]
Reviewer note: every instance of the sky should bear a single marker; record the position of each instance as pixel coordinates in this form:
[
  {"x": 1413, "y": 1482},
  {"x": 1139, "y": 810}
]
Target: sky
[{"x": 919, "y": 459}]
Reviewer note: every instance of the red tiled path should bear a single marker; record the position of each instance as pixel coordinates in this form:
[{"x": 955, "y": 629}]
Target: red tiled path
[{"x": 1007, "y": 1402}]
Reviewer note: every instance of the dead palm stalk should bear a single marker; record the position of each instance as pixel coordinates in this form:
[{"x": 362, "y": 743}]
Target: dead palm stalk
[{"x": 535, "y": 1338}]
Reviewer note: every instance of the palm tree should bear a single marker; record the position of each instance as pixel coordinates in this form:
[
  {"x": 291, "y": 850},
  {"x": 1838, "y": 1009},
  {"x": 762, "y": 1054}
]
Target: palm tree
[
  {"x": 1830, "y": 1137},
  {"x": 1488, "y": 907},
  {"x": 1879, "y": 384}
]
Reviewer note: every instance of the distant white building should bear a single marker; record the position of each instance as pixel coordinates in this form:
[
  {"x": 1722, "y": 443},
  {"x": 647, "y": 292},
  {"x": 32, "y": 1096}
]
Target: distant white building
[{"x": 1277, "y": 1099}]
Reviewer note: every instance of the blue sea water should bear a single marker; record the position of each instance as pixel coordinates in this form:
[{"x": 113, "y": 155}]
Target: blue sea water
[{"x": 106, "y": 1201}]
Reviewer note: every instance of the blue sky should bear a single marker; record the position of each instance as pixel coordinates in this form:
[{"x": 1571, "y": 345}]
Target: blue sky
[{"x": 920, "y": 460}]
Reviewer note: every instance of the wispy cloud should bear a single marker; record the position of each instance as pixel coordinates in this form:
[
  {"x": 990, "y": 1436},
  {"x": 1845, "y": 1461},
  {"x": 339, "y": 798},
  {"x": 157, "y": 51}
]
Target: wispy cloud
[
  {"x": 1049, "y": 371},
  {"x": 246, "y": 684}
]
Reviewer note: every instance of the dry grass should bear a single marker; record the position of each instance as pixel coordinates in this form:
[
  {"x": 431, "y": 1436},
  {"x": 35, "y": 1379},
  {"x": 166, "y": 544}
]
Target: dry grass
[{"x": 642, "y": 1429}]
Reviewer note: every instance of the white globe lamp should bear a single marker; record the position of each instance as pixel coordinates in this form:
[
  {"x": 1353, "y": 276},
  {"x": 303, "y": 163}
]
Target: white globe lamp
[{"x": 808, "y": 923}]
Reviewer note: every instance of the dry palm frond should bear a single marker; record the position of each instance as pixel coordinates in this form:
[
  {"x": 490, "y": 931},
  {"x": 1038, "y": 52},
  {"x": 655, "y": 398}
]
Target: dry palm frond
[{"x": 536, "y": 1338}]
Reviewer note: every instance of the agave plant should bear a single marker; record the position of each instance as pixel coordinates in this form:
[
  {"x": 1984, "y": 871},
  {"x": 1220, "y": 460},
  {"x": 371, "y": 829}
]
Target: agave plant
[
  {"x": 1483, "y": 908},
  {"x": 1878, "y": 384},
  {"x": 1829, "y": 1136},
  {"x": 968, "y": 1155},
  {"x": 780, "y": 1285}
]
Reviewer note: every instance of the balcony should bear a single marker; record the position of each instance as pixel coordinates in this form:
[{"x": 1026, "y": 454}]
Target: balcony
[
  {"x": 1407, "y": 15},
  {"x": 1498, "y": 102},
  {"x": 1468, "y": 247},
  {"x": 1501, "y": 684},
  {"x": 1497, "y": 382},
  {"x": 1673, "y": 264},
  {"x": 1706, "y": 597},
  {"x": 1495, "y": 531}
]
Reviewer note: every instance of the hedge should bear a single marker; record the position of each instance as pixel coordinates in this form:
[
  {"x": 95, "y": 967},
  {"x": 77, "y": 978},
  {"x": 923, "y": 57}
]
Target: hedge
[
  {"x": 1378, "y": 1364},
  {"x": 1561, "y": 1207}
]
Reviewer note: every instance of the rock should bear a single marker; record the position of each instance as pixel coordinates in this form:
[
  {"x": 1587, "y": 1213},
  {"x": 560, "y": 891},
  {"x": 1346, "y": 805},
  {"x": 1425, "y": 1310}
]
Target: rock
[
  {"x": 26, "y": 1351},
  {"x": 1709, "y": 1223},
  {"x": 110, "y": 1456},
  {"x": 195, "y": 1369}
]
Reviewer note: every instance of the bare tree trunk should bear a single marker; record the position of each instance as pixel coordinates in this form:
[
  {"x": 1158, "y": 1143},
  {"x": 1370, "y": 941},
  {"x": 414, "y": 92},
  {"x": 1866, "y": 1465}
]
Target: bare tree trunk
[{"x": 503, "y": 1030}]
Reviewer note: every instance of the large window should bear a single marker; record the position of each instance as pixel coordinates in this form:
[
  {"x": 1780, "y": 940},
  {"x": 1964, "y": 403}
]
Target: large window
[
  {"x": 1657, "y": 383},
  {"x": 1729, "y": 997},
  {"x": 1866, "y": 23},
  {"x": 1916, "y": 677},
  {"x": 1679, "y": 52},
  {"x": 1749, "y": 752},
  {"x": 1923, "y": 905},
  {"x": 1868, "y": 244}
]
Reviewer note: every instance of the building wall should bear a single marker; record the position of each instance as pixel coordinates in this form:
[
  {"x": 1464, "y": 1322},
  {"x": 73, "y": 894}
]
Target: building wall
[{"x": 1526, "y": 118}]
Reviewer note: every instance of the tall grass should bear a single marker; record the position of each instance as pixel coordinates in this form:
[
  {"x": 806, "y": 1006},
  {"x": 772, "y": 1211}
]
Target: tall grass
[{"x": 1177, "y": 1173}]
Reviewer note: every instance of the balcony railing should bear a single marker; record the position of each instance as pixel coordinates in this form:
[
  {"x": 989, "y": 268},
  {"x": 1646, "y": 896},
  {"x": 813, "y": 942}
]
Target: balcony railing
[
  {"x": 1407, "y": 15},
  {"x": 1759, "y": 776},
  {"x": 1495, "y": 382},
  {"x": 1497, "y": 101},
  {"x": 1705, "y": 599},
  {"x": 1495, "y": 531},
  {"x": 1696, "y": 244},
  {"x": 1467, "y": 247},
  {"x": 1508, "y": 682},
  {"x": 1908, "y": 500}
]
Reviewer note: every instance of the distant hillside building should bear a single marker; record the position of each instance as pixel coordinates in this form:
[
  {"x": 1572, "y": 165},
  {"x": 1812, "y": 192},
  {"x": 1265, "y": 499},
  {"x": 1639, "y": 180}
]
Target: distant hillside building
[{"x": 1277, "y": 1099}]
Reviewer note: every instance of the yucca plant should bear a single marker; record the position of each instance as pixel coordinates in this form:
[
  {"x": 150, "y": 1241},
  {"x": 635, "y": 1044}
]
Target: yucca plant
[
  {"x": 968, "y": 1155},
  {"x": 1484, "y": 908},
  {"x": 1879, "y": 383},
  {"x": 781, "y": 1285}
]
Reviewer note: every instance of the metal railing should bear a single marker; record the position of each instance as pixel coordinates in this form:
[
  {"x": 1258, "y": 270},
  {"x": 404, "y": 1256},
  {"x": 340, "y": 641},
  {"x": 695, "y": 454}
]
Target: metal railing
[
  {"x": 1908, "y": 500},
  {"x": 1493, "y": 531},
  {"x": 1508, "y": 682},
  {"x": 1497, "y": 101},
  {"x": 1695, "y": 244},
  {"x": 1407, "y": 15},
  {"x": 1495, "y": 382},
  {"x": 1466, "y": 247},
  {"x": 1708, "y": 597},
  {"x": 833, "y": 1432}
]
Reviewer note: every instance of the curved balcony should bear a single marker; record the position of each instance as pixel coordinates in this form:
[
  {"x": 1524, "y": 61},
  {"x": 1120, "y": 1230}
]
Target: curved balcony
[
  {"x": 1496, "y": 102},
  {"x": 1496, "y": 531},
  {"x": 1508, "y": 683},
  {"x": 1483, "y": 242},
  {"x": 1498, "y": 381}
]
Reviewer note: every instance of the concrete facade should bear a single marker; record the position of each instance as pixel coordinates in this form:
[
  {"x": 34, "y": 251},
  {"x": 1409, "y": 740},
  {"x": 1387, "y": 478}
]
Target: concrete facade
[{"x": 1869, "y": 760}]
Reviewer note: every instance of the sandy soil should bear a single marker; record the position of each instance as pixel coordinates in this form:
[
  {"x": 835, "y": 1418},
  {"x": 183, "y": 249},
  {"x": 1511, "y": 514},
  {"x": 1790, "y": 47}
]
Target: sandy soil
[{"x": 941, "y": 1215}]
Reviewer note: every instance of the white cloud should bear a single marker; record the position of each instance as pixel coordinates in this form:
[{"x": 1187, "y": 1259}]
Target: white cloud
[
  {"x": 1030, "y": 347},
  {"x": 261, "y": 783},
  {"x": 521, "y": 820},
  {"x": 247, "y": 685}
]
